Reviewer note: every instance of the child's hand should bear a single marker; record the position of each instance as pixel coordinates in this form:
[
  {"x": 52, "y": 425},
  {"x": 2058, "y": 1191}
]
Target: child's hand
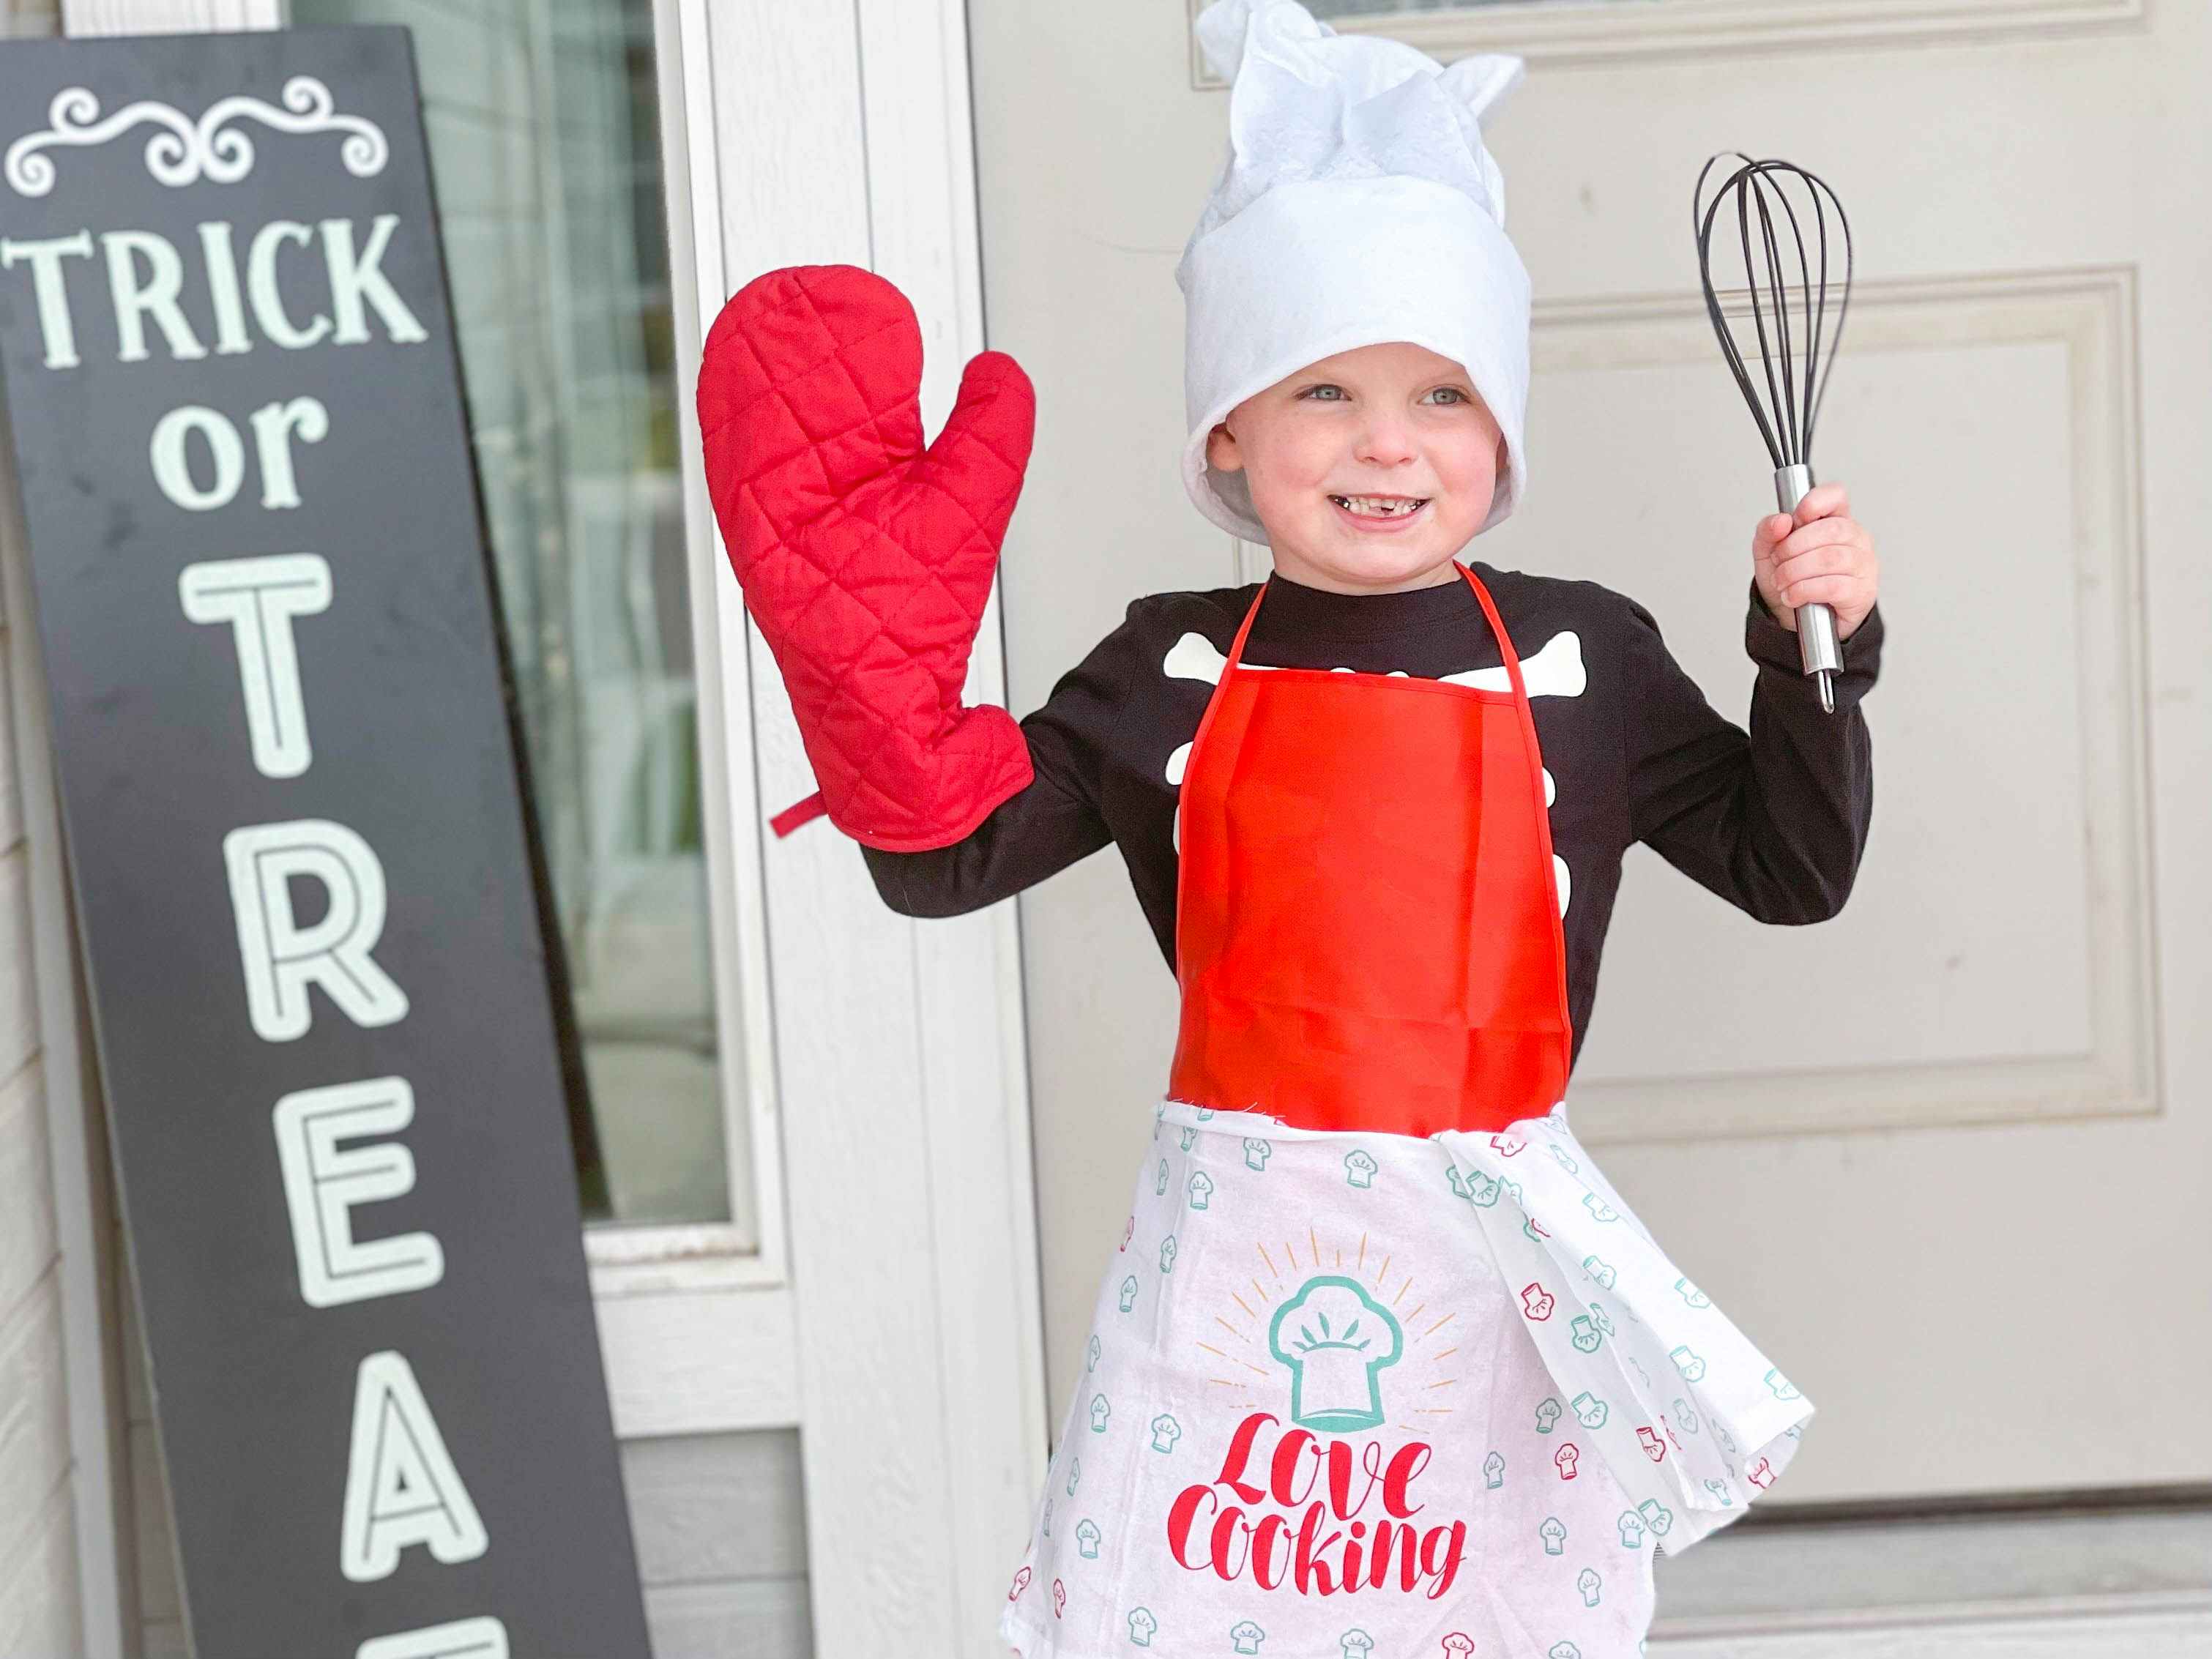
[{"x": 1821, "y": 554}]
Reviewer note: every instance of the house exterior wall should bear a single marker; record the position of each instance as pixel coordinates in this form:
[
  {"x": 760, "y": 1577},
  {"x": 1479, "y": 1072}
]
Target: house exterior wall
[{"x": 39, "y": 1570}]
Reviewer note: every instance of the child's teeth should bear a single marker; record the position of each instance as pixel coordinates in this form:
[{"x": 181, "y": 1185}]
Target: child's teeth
[{"x": 1374, "y": 508}]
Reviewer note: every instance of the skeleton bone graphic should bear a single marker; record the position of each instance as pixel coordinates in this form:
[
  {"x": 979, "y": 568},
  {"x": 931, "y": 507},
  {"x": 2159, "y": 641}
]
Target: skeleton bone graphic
[{"x": 1554, "y": 671}]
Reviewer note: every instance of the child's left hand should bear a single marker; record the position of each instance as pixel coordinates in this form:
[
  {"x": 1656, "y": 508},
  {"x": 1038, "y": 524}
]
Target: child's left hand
[{"x": 1822, "y": 554}]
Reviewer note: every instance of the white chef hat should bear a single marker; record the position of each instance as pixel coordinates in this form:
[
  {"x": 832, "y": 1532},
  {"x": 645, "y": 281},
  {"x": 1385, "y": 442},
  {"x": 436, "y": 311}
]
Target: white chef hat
[{"x": 1358, "y": 205}]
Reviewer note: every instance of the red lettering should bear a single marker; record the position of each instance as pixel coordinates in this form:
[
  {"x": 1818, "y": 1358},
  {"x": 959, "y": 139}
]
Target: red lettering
[
  {"x": 1340, "y": 1476},
  {"x": 1290, "y": 1452},
  {"x": 1269, "y": 1532},
  {"x": 1444, "y": 1571},
  {"x": 1240, "y": 1450},
  {"x": 1181, "y": 1516},
  {"x": 1229, "y": 1531},
  {"x": 1324, "y": 1549},
  {"x": 1408, "y": 1461},
  {"x": 1308, "y": 1570},
  {"x": 1378, "y": 1553}
]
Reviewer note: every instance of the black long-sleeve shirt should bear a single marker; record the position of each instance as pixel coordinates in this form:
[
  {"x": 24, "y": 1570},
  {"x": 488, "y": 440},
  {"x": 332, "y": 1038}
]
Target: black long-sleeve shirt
[{"x": 1773, "y": 820}]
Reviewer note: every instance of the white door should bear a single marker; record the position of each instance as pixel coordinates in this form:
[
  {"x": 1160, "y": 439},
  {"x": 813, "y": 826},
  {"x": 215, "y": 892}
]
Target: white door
[{"x": 1942, "y": 1156}]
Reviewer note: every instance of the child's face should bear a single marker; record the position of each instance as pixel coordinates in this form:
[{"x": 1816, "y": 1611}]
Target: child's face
[{"x": 1391, "y": 420}]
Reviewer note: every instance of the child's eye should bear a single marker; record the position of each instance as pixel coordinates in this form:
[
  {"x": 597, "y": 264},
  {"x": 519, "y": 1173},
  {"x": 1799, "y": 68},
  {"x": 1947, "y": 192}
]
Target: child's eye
[{"x": 1457, "y": 396}]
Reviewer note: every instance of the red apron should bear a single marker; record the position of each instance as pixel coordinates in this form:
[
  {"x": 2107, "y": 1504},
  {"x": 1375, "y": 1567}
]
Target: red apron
[{"x": 1367, "y": 922}]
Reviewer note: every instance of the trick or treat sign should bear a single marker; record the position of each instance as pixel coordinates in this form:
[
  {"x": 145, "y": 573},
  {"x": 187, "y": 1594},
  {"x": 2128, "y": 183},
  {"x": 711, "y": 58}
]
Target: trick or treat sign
[{"x": 322, "y": 986}]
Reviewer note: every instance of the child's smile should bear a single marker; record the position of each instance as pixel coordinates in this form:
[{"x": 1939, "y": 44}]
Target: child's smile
[{"x": 1374, "y": 514}]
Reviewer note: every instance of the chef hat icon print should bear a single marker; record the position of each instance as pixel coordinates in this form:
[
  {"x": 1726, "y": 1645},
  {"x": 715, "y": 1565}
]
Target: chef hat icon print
[{"x": 1335, "y": 1338}]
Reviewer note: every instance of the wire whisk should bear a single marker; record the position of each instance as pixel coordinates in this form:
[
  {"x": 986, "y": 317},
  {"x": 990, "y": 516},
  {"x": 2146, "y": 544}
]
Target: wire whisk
[{"x": 1792, "y": 405}]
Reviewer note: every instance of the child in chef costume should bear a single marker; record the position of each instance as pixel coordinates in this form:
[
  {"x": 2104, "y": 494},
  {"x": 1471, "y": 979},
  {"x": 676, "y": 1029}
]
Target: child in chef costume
[{"x": 1381, "y": 1366}]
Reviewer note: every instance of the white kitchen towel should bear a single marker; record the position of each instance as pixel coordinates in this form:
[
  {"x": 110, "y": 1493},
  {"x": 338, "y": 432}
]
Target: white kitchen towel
[
  {"x": 1693, "y": 1419},
  {"x": 1308, "y": 1424},
  {"x": 1358, "y": 205}
]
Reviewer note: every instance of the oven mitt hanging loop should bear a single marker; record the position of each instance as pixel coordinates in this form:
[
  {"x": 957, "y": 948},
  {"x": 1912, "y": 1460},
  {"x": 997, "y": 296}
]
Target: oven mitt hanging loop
[{"x": 866, "y": 558}]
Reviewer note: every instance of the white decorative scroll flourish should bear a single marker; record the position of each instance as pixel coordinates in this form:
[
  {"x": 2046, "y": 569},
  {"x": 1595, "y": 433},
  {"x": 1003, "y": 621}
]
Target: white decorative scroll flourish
[{"x": 184, "y": 151}]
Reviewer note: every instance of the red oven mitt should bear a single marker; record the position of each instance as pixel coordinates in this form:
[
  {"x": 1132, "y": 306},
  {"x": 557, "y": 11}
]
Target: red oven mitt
[{"x": 864, "y": 558}]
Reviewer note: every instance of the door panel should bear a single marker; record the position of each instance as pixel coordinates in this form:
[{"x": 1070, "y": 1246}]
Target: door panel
[{"x": 1933, "y": 1155}]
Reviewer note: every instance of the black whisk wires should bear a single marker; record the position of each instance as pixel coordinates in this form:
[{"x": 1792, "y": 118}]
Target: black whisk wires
[
  {"x": 1792, "y": 401},
  {"x": 1789, "y": 436}
]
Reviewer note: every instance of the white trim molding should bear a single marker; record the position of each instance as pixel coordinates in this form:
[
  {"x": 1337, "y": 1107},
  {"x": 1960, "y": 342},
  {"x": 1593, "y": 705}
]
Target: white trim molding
[
  {"x": 1614, "y": 31},
  {"x": 170, "y": 16},
  {"x": 844, "y": 137}
]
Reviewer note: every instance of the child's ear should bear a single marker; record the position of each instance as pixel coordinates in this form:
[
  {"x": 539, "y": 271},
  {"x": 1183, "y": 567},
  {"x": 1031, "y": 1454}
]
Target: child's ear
[{"x": 1221, "y": 451}]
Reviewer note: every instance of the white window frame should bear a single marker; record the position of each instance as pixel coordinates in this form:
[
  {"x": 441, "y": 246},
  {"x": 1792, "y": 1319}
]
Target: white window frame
[
  {"x": 695, "y": 1319},
  {"x": 710, "y": 1256}
]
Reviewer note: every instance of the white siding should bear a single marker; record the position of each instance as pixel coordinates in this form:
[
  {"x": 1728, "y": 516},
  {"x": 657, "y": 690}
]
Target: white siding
[
  {"x": 38, "y": 1544},
  {"x": 39, "y": 1610}
]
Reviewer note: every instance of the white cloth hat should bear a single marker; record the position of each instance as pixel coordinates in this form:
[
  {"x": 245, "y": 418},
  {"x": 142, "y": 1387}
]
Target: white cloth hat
[{"x": 1358, "y": 205}]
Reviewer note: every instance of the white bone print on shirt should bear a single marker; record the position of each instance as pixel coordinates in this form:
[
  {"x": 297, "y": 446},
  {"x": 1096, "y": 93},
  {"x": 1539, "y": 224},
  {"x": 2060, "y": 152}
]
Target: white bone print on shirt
[{"x": 1554, "y": 671}]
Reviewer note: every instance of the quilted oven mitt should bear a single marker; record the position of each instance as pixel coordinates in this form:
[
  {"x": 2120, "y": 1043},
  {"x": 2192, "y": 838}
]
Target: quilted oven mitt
[{"x": 866, "y": 558}]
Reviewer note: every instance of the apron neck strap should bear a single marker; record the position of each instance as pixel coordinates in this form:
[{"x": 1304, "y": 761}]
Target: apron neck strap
[
  {"x": 1237, "y": 646},
  {"x": 1481, "y": 593},
  {"x": 1504, "y": 642}
]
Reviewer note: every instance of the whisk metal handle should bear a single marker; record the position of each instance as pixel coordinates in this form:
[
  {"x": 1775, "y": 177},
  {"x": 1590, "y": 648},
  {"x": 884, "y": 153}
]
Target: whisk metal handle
[{"x": 1817, "y": 649}]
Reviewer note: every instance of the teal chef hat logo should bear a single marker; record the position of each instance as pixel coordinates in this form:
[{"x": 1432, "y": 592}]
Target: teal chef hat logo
[{"x": 1335, "y": 1340}]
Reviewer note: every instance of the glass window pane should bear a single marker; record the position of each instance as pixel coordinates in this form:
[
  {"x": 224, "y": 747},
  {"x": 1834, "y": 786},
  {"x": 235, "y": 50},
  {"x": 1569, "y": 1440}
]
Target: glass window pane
[{"x": 544, "y": 131}]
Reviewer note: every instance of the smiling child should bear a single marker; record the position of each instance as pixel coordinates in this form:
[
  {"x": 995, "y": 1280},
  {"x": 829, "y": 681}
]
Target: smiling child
[{"x": 1381, "y": 1364}]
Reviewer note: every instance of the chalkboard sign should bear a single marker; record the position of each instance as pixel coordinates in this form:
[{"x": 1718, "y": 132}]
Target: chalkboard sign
[{"x": 288, "y": 776}]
